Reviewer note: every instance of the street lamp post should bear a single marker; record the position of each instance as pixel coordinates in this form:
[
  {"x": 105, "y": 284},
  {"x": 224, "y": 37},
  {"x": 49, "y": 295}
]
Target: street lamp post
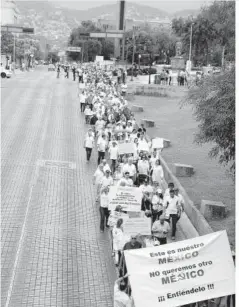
[
  {"x": 190, "y": 48},
  {"x": 139, "y": 60}
]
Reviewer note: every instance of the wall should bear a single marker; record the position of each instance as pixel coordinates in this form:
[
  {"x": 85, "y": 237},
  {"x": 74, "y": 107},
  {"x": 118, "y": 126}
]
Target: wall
[{"x": 9, "y": 12}]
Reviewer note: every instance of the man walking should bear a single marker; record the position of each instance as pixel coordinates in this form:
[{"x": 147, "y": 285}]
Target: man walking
[
  {"x": 172, "y": 208},
  {"x": 74, "y": 73},
  {"x": 160, "y": 230},
  {"x": 102, "y": 146},
  {"x": 89, "y": 144}
]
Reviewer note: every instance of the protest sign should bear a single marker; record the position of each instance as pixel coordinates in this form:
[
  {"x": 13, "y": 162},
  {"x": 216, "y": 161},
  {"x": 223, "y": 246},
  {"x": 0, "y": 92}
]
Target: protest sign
[
  {"x": 157, "y": 143},
  {"x": 127, "y": 197},
  {"x": 180, "y": 273},
  {"x": 134, "y": 226},
  {"x": 126, "y": 148},
  {"x": 143, "y": 146}
]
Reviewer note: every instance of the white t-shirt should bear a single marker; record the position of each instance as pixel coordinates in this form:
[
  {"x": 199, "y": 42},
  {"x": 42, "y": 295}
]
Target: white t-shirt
[
  {"x": 107, "y": 181},
  {"x": 143, "y": 167},
  {"x": 113, "y": 151},
  {"x": 102, "y": 144},
  {"x": 89, "y": 141},
  {"x": 128, "y": 182},
  {"x": 99, "y": 175},
  {"x": 124, "y": 88},
  {"x": 171, "y": 205},
  {"x": 104, "y": 200}
]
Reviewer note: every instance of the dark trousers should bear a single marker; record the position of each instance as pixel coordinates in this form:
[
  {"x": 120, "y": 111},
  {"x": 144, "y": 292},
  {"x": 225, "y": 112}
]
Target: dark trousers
[
  {"x": 156, "y": 215},
  {"x": 74, "y": 77},
  {"x": 80, "y": 79},
  {"x": 113, "y": 165},
  {"x": 174, "y": 218},
  {"x": 233, "y": 298},
  {"x": 101, "y": 155},
  {"x": 88, "y": 153},
  {"x": 104, "y": 215},
  {"x": 162, "y": 241},
  {"x": 82, "y": 107}
]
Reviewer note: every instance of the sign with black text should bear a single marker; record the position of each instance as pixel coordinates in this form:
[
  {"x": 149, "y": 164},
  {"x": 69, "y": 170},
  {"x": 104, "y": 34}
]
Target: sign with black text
[{"x": 181, "y": 273}]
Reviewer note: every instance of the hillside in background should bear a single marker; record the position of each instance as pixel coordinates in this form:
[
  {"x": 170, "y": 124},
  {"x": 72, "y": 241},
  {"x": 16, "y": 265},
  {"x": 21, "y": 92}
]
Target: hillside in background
[{"x": 55, "y": 22}]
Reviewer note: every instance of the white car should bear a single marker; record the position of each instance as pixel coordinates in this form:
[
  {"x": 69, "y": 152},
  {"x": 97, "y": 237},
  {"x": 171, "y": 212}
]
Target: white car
[{"x": 5, "y": 73}]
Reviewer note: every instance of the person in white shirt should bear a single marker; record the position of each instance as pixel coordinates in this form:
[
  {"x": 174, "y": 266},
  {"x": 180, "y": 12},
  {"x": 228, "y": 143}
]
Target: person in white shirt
[
  {"x": 142, "y": 143},
  {"x": 98, "y": 177},
  {"x": 102, "y": 146},
  {"x": 170, "y": 187},
  {"x": 107, "y": 180},
  {"x": 114, "y": 152},
  {"x": 157, "y": 173},
  {"x": 146, "y": 187},
  {"x": 125, "y": 181},
  {"x": 121, "y": 299},
  {"x": 160, "y": 229},
  {"x": 152, "y": 160},
  {"x": 88, "y": 114},
  {"x": 181, "y": 201},
  {"x": 118, "y": 240},
  {"x": 143, "y": 169},
  {"x": 171, "y": 209},
  {"x": 89, "y": 144},
  {"x": 99, "y": 125},
  {"x": 157, "y": 205},
  {"x": 118, "y": 174},
  {"x": 82, "y": 98},
  {"x": 130, "y": 167},
  {"x": 104, "y": 212}
]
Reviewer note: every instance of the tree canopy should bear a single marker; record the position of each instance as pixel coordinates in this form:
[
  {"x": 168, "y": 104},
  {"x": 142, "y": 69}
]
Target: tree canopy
[
  {"x": 213, "y": 31},
  {"x": 213, "y": 103}
]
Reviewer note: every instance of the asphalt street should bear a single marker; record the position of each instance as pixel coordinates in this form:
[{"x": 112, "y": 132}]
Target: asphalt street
[{"x": 53, "y": 253}]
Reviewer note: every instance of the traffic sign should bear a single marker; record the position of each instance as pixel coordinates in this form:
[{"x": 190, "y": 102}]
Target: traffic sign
[
  {"x": 16, "y": 29},
  {"x": 106, "y": 35},
  {"x": 74, "y": 49}
]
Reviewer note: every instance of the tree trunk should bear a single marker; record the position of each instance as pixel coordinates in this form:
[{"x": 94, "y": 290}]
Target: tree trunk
[{"x": 223, "y": 53}]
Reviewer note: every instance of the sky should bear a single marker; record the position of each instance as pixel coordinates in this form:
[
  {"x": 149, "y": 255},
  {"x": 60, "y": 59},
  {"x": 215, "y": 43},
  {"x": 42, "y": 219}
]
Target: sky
[{"x": 170, "y": 6}]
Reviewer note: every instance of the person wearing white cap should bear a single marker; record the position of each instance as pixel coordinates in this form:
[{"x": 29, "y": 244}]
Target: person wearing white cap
[{"x": 107, "y": 180}]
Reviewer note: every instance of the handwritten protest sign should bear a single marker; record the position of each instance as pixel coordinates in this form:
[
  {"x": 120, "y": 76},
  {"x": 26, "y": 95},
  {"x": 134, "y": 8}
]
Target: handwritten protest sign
[
  {"x": 128, "y": 197},
  {"x": 183, "y": 272},
  {"x": 134, "y": 226},
  {"x": 125, "y": 148},
  {"x": 157, "y": 143}
]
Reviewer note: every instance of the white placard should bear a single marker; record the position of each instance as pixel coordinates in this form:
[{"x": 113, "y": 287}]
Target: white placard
[
  {"x": 157, "y": 143},
  {"x": 128, "y": 197},
  {"x": 126, "y": 148},
  {"x": 183, "y": 272},
  {"x": 138, "y": 225},
  {"x": 99, "y": 58}
]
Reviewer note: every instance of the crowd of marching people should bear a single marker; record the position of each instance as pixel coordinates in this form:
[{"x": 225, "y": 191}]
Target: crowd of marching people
[{"x": 110, "y": 123}]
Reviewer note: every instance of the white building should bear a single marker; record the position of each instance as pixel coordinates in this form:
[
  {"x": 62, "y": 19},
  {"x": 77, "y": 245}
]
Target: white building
[{"x": 9, "y": 12}]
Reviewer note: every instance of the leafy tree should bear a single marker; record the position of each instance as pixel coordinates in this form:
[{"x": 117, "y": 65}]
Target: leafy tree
[
  {"x": 53, "y": 57},
  {"x": 7, "y": 42},
  {"x": 213, "y": 103}
]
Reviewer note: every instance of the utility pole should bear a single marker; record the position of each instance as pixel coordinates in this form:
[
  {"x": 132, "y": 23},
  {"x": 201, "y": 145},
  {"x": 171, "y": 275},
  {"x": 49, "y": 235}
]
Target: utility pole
[
  {"x": 135, "y": 28},
  {"x": 190, "y": 48},
  {"x": 123, "y": 44}
]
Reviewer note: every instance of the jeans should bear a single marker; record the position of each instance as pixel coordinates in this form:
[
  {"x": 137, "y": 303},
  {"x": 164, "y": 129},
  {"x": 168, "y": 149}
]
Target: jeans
[
  {"x": 80, "y": 79},
  {"x": 113, "y": 165},
  {"x": 101, "y": 155},
  {"x": 104, "y": 215},
  {"x": 156, "y": 215},
  {"x": 174, "y": 218},
  {"x": 88, "y": 153},
  {"x": 82, "y": 107}
]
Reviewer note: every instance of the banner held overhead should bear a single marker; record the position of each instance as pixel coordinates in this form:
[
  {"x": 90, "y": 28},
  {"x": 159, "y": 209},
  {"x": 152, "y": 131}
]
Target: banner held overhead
[{"x": 181, "y": 273}]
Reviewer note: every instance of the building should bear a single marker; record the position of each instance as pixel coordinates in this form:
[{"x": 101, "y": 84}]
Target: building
[{"x": 9, "y": 12}]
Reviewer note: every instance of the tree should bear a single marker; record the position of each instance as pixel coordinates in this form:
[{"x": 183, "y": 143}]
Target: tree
[
  {"x": 213, "y": 103},
  {"x": 7, "y": 42},
  {"x": 53, "y": 57}
]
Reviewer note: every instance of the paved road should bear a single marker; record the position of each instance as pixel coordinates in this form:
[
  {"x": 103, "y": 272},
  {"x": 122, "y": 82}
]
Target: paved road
[{"x": 52, "y": 251}]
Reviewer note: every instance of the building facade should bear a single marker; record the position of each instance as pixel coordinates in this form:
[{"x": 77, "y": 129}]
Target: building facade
[{"x": 9, "y": 12}]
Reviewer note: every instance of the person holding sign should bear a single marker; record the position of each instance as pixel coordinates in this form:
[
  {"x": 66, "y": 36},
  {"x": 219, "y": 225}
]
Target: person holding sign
[
  {"x": 160, "y": 229},
  {"x": 126, "y": 180}
]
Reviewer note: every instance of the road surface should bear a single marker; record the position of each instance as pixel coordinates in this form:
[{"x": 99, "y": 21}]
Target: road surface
[{"x": 53, "y": 253}]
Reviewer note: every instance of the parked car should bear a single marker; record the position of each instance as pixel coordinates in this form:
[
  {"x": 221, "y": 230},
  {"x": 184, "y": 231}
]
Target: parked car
[
  {"x": 51, "y": 67},
  {"x": 5, "y": 73}
]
